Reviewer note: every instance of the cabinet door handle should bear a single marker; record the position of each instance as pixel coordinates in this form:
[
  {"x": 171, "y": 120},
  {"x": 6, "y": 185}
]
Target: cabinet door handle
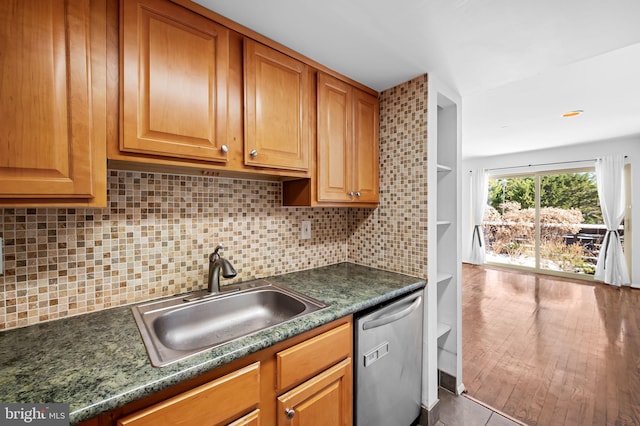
[
  {"x": 351, "y": 194},
  {"x": 224, "y": 149},
  {"x": 358, "y": 194},
  {"x": 253, "y": 153},
  {"x": 289, "y": 412}
]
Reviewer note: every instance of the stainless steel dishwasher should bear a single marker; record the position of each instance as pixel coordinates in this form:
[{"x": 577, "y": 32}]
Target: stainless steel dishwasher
[{"x": 388, "y": 367}]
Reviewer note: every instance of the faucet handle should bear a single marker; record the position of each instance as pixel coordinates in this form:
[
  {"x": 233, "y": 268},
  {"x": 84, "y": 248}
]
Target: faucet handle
[{"x": 213, "y": 256}]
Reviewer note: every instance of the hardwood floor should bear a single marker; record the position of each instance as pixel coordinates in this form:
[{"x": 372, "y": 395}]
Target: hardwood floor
[{"x": 551, "y": 351}]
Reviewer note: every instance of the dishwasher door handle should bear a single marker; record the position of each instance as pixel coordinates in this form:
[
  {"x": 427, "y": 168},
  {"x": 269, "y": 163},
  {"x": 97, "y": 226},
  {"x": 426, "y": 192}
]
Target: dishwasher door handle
[{"x": 393, "y": 317}]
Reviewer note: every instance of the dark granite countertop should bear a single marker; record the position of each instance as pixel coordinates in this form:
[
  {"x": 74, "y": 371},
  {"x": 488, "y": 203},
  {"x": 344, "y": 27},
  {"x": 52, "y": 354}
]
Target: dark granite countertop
[{"x": 97, "y": 362}]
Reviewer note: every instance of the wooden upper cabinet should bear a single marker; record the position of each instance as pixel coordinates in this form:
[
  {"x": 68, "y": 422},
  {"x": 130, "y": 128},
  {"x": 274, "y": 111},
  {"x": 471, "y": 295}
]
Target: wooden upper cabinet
[
  {"x": 366, "y": 174},
  {"x": 335, "y": 134},
  {"x": 52, "y": 139},
  {"x": 276, "y": 109},
  {"x": 174, "y": 73},
  {"x": 347, "y": 163}
]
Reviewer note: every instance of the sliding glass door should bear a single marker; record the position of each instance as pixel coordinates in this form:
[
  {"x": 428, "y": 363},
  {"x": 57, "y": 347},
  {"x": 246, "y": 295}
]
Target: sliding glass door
[{"x": 548, "y": 221}]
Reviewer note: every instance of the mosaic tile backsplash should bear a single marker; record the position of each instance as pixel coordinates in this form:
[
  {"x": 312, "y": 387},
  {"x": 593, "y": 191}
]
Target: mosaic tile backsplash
[
  {"x": 394, "y": 236},
  {"x": 155, "y": 236},
  {"x": 153, "y": 240}
]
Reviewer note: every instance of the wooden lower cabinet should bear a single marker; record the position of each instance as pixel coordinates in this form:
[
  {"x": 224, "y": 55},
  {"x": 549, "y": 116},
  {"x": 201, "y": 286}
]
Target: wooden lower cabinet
[
  {"x": 251, "y": 419},
  {"x": 322, "y": 400},
  {"x": 214, "y": 403},
  {"x": 305, "y": 380},
  {"x": 307, "y": 359}
]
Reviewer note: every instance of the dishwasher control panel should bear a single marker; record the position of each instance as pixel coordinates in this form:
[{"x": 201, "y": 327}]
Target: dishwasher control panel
[{"x": 375, "y": 354}]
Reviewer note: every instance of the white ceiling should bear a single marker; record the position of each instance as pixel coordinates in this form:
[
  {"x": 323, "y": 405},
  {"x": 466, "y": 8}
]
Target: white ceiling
[{"x": 517, "y": 64}]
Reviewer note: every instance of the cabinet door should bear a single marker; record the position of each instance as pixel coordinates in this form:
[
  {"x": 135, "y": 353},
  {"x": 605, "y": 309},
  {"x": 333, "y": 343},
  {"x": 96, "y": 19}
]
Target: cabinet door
[
  {"x": 334, "y": 165},
  {"x": 174, "y": 82},
  {"x": 211, "y": 404},
  {"x": 366, "y": 142},
  {"x": 276, "y": 109},
  {"x": 304, "y": 360},
  {"x": 251, "y": 419},
  {"x": 322, "y": 400},
  {"x": 46, "y": 142}
]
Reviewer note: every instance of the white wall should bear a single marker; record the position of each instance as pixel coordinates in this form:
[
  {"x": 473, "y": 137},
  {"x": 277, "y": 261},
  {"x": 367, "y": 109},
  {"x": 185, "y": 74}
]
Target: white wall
[{"x": 629, "y": 146}]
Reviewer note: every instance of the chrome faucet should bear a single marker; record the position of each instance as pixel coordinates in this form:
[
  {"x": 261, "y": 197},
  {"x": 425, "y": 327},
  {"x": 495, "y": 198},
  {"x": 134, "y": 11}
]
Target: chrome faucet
[{"x": 217, "y": 264}]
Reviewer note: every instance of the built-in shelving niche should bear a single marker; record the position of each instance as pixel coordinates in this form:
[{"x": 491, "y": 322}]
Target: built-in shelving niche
[
  {"x": 449, "y": 356},
  {"x": 442, "y": 345}
]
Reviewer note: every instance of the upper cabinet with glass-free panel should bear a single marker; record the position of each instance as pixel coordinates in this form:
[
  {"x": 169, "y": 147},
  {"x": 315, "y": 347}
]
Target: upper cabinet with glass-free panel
[
  {"x": 174, "y": 76},
  {"x": 366, "y": 180},
  {"x": 200, "y": 91},
  {"x": 348, "y": 144},
  {"x": 277, "y": 109},
  {"x": 52, "y": 72},
  {"x": 182, "y": 96},
  {"x": 335, "y": 135}
]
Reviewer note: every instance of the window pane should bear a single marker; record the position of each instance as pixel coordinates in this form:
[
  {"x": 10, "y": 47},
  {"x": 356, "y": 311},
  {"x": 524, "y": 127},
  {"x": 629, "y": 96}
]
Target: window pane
[
  {"x": 509, "y": 221},
  {"x": 571, "y": 225}
]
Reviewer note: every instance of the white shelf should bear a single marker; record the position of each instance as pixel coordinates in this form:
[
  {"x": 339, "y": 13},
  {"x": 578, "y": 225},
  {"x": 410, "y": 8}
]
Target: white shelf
[
  {"x": 443, "y": 329},
  {"x": 444, "y": 242},
  {"x": 442, "y": 168},
  {"x": 447, "y": 361},
  {"x": 442, "y": 277}
]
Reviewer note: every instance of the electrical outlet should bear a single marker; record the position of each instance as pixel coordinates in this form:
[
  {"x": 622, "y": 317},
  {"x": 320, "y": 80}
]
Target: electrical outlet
[{"x": 306, "y": 230}]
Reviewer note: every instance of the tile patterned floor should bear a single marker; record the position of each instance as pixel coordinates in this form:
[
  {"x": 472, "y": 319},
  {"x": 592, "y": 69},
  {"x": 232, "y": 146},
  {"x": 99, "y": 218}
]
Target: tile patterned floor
[{"x": 463, "y": 411}]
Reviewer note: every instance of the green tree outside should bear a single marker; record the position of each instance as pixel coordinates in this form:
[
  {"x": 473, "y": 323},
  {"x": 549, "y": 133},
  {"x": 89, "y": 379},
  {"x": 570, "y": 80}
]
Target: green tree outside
[
  {"x": 572, "y": 190},
  {"x": 518, "y": 189},
  {"x": 564, "y": 191}
]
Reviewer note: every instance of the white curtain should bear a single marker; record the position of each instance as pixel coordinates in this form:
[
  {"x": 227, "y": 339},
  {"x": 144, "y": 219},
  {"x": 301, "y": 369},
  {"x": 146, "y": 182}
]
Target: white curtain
[
  {"x": 479, "y": 191},
  {"x": 611, "y": 267}
]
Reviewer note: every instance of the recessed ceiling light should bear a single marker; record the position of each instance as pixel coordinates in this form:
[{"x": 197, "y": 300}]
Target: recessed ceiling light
[{"x": 574, "y": 113}]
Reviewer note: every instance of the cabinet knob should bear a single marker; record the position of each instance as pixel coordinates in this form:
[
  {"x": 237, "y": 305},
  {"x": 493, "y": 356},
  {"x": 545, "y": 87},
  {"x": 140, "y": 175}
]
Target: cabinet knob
[
  {"x": 254, "y": 153},
  {"x": 358, "y": 194},
  {"x": 289, "y": 412},
  {"x": 351, "y": 194},
  {"x": 224, "y": 149}
]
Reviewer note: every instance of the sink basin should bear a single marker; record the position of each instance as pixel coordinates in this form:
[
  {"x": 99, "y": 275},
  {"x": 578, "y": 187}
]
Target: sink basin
[{"x": 173, "y": 329}]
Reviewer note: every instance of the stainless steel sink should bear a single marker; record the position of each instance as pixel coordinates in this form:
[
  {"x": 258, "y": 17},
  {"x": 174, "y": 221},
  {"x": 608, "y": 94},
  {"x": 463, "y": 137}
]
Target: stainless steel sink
[{"x": 173, "y": 329}]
